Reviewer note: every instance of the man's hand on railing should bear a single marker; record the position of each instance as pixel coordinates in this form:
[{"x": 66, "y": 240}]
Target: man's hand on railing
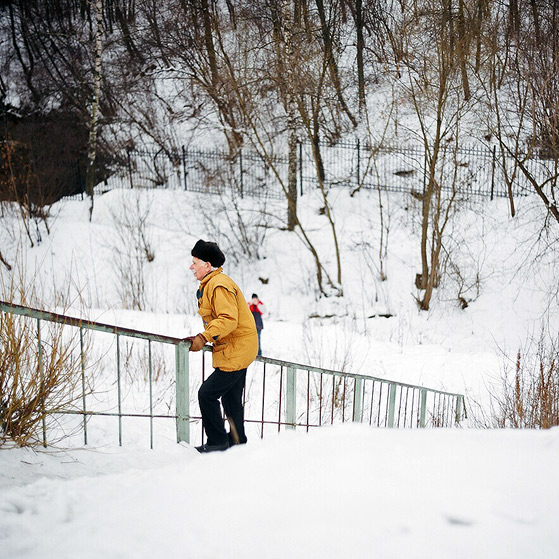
[{"x": 197, "y": 342}]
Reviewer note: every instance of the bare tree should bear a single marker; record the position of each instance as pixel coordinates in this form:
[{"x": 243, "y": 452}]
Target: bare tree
[
  {"x": 326, "y": 25},
  {"x": 535, "y": 68},
  {"x": 225, "y": 53},
  {"x": 357, "y": 12},
  {"x": 436, "y": 91},
  {"x": 133, "y": 248},
  {"x": 94, "y": 121},
  {"x": 285, "y": 24},
  {"x": 54, "y": 68}
]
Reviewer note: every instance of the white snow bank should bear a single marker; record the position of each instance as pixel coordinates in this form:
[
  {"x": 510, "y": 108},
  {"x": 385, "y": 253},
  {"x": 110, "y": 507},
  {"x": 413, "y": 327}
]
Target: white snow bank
[{"x": 348, "y": 491}]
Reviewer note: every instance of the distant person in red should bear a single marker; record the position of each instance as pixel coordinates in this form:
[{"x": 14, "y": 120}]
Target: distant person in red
[{"x": 257, "y": 309}]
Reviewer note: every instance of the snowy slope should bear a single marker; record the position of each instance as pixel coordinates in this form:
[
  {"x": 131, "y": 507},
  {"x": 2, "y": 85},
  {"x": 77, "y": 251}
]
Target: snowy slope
[{"x": 348, "y": 491}]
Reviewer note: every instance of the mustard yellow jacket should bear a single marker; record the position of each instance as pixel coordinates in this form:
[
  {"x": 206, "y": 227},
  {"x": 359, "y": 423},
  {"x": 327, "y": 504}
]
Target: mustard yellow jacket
[{"x": 228, "y": 322}]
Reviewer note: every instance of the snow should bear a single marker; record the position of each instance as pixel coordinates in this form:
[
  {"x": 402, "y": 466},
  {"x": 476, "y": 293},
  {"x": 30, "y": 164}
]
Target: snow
[
  {"x": 338, "y": 491},
  {"x": 347, "y": 491}
]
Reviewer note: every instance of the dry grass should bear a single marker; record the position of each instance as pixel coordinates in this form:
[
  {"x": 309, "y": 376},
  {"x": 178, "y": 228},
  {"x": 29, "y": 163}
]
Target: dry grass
[
  {"x": 530, "y": 395},
  {"x": 37, "y": 379}
]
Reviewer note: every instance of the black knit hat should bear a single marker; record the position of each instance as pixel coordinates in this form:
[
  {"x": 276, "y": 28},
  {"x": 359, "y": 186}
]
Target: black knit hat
[{"x": 208, "y": 252}]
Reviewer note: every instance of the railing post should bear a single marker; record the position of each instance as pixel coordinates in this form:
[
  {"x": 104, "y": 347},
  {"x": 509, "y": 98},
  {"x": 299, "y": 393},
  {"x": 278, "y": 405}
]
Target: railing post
[
  {"x": 242, "y": 172},
  {"x": 184, "y": 167},
  {"x": 183, "y": 390},
  {"x": 42, "y": 381},
  {"x": 423, "y": 407},
  {"x": 290, "y": 399},
  {"x": 119, "y": 391},
  {"x": 129, "y": 162},
  {"x": 458, "y": 408},
  {"x": 82, "y": 360},
  {"x": 150, "y": 373},
  {"x": 357, "y": 400},
  {"x": 391, "y": 404}
]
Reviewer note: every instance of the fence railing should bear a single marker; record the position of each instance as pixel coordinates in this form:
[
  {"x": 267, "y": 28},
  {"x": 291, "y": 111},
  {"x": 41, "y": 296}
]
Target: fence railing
[
  {"x": 279, "y": 394},
  {"x": 471, "y": 172}
]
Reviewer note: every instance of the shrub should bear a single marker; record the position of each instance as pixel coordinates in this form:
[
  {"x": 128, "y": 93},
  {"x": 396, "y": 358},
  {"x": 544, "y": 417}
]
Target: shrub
[
  {"x": 39, "y": 377},
  {"x": 530, "y": 395}
]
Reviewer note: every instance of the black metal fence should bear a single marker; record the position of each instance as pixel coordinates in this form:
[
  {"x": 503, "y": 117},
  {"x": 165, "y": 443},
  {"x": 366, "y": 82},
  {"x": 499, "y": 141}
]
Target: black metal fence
[
  {"x": 468, "y": 171},
  {"x": 471, "y": 172},
  {"x": 208, "y": 171}
]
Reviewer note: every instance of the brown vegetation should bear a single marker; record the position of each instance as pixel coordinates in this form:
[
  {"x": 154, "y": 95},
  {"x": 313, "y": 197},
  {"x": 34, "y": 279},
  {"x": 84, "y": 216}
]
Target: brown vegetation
[
  {"x": 41, "y": 366},
  {"x": 530, "y": 396}
]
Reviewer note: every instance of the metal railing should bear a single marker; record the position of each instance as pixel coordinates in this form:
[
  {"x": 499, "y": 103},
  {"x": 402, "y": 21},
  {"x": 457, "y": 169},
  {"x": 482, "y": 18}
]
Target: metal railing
[
  {"x": 470, "y": 172},
  {"x": 279, "y": 394}
]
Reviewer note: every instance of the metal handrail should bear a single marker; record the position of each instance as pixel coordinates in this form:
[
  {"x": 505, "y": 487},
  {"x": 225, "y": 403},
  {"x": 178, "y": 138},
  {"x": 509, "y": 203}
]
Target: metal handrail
[
  {"x": 302, "y": 367},
  {"x": 84, "y": 323},
  {"x": 393, "y": 407}
]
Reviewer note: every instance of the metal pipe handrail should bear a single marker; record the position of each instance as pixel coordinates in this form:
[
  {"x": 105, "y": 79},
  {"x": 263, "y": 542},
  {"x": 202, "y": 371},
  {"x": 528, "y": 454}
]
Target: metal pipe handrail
[
  {"x": 302, "y": 367},
  {"x": 183, "y": 416},
  {"x": 133, "y": 333},
  {"x": 84, "y": 323}
]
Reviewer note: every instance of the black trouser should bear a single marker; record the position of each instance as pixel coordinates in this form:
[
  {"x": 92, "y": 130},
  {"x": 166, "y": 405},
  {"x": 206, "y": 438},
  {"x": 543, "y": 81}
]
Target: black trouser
[{"x": 227, "y": 385}]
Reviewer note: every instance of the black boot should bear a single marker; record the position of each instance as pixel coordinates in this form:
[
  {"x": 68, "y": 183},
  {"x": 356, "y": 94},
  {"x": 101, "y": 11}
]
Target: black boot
[{"x": 213, "y": 447}]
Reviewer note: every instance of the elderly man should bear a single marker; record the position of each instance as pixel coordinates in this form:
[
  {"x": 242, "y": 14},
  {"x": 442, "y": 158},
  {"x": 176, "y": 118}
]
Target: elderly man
[{"x": 230, "y": 327}]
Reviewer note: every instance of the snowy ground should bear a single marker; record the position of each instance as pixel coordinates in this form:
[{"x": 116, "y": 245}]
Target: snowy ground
[{"x": 348, "y": 491}]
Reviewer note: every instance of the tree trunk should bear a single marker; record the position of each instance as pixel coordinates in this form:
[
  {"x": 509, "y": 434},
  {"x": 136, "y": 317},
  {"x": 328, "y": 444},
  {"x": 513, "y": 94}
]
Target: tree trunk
[
  {"x": 331, "y": 60},
  {"x": 292, "y": 177},
  {"x": 287, "y": 23},
  {"x": 462, "y": 49},
  {"x": 222, "y": 100},
  {"x": 360, "y": 49},
  {"x": 93, "y": 124}
]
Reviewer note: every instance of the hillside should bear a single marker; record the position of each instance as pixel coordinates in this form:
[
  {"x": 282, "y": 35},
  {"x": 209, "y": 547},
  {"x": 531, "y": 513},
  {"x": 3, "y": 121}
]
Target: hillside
[
  {"x": 502, "y": 268},
  {"x": 335, "y": 492}
]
